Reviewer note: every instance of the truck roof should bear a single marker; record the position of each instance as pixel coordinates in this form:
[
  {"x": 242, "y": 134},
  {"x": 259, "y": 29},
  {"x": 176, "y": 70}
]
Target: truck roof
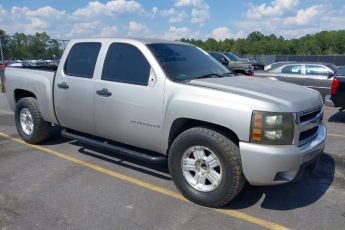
[{"x": 145, "y": 41}]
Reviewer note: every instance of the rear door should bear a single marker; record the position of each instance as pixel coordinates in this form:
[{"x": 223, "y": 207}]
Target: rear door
[
  {"x": 129, "y": 98},
  {"x": 74, "y": 87},
  {"x": 291, "y": 73},
  {"x": 317, "y": 77}
]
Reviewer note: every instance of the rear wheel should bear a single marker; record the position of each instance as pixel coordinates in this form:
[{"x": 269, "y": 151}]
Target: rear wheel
[
  {"x": 29, "y": 122},
  {"x": 206, "y": 167}
]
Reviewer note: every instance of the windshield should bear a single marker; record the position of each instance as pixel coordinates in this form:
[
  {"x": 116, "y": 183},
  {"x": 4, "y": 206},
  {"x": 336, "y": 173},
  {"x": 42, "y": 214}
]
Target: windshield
[
  {"x": 232, "y": 56},
  {"x": 333, "y": 67},
  {"x": 186, "y": 62}
]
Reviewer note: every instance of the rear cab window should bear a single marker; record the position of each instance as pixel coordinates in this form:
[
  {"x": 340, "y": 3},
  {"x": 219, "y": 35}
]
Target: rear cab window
[
  {"x": 292, "y": 69},
  {"x": 81, "y": 60}
]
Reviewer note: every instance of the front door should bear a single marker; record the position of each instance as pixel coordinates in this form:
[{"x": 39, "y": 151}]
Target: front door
[
  {"x": 292, "y": 74},
  {"x": 73, "y": 89},
  {"x": 128, "y": 98}
]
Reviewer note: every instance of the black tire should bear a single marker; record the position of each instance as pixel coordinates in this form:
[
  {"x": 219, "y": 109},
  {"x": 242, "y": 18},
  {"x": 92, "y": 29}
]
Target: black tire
[
  {"x": 41, "y": 128},
  {"x": 228, "y": 154}
]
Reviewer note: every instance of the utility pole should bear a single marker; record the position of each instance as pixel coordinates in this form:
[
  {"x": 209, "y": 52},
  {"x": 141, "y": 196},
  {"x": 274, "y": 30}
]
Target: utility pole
[
  {"x": 64, "y": 43},
  {"x": 2, "y": 54},
  {"x": 2, "y": 77}
]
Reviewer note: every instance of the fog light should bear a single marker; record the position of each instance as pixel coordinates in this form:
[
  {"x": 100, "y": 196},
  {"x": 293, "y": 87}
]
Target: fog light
[{"x": 273, "y": 135}]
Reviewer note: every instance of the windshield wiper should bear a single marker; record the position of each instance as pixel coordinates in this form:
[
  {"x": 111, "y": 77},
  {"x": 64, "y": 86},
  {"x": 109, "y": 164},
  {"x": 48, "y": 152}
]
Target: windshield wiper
[
  {"x": 210, "y": 75},
  {"x": 228, "y": 73}
]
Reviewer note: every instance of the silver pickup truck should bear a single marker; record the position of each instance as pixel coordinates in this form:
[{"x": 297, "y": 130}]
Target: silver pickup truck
[{"x": 157, "y": 100}]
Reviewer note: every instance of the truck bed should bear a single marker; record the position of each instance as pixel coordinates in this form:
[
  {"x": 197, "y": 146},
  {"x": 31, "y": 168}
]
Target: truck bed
[
  {"x": 43, "y": 68},
  {"x": 37, "y": 81}
]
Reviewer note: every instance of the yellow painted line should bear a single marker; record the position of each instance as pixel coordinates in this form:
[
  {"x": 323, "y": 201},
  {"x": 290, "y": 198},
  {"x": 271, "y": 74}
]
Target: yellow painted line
[
  {"x": 178, "y": 196},
  {"x": 335, "y": 135}
]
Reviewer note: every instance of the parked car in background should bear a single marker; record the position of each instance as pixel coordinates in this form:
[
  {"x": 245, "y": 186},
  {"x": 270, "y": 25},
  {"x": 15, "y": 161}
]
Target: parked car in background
[
  {"x": 235, "y": 59},
  {"x": 337, "y": 95},
  {"x": 257, "y": 64},
  {"x": 15, "y": 63},
  {"x": 276, "y": 64},
  {"x": 317, "y": 76},
  {"x": 235, "y": 67},
  {"x": 35, "y": 64}
]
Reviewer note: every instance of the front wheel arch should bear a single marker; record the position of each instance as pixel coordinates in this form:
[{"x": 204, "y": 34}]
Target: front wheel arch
[{"x": 182, "y": 124}]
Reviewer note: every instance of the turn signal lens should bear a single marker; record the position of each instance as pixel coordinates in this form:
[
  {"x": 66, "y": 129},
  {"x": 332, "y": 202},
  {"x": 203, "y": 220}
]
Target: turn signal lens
[{"x": 257, "y": 135}]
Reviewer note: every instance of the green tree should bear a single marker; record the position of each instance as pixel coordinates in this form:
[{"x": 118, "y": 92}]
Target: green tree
[
  {"x": 255, "y": 36},
  {"x": 323, "y": 43},
  {"x": 19, "y": 47},
  {"x": 4, "y": 42}
]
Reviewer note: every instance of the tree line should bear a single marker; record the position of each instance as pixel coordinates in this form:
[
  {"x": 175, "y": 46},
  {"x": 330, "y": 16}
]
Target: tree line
[
  {"x": 40, "y": 46},
  {"x": 256, "y": 43},
  {"x": 23, "y": 46}
]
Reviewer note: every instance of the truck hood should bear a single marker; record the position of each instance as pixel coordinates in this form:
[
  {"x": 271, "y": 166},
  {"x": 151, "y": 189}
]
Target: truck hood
[{"x": 288, "y": 97}]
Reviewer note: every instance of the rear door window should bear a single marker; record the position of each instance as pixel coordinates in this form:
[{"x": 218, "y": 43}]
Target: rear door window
[
  {"x": 125, "y": 63},
  {"x": 81, "y": 60},
  {"x": 316, "y": 70},
  {"x": 292, "y": 69}
]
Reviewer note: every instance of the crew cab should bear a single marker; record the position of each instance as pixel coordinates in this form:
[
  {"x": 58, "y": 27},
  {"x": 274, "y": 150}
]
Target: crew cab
[{"x": 160, "y": 100}]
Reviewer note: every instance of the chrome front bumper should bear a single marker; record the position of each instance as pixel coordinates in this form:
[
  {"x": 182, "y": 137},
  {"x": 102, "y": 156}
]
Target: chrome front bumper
[{"x": 272, "y": 164}]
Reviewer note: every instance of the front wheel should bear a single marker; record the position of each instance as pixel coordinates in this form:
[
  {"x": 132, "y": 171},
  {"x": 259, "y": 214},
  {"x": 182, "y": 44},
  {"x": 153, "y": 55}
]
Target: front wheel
[
  {"x": 29, "y": 122},
  {"x": 206, "y": 167}
]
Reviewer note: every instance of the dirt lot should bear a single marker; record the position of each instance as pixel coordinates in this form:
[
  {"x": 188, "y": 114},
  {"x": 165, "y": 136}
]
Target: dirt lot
[{"x": 62, "y": 184}]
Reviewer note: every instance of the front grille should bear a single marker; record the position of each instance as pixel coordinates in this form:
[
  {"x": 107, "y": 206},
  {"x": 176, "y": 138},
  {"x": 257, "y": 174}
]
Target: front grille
[
  {"x": 308, "y": 125},
  {"x": 309, "y": 133},
  {"x": 309, "y": 116}
]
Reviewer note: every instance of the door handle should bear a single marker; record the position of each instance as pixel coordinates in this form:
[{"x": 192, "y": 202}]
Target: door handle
[
  {"x": 63, "y": 85},
  {"x": 104, "y": 92}
]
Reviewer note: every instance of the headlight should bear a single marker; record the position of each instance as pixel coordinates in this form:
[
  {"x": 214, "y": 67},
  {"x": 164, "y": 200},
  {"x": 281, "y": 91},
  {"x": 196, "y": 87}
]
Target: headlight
[{"x": 272, "y": 128}]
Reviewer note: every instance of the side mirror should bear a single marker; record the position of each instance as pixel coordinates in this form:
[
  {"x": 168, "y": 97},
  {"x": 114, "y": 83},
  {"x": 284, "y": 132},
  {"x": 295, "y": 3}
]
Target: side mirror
[{"x": 224, "y": 61}]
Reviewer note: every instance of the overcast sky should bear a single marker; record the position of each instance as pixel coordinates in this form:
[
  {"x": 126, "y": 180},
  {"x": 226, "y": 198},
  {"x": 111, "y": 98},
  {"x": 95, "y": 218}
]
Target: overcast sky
[{"x": 171, "y": 19}]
